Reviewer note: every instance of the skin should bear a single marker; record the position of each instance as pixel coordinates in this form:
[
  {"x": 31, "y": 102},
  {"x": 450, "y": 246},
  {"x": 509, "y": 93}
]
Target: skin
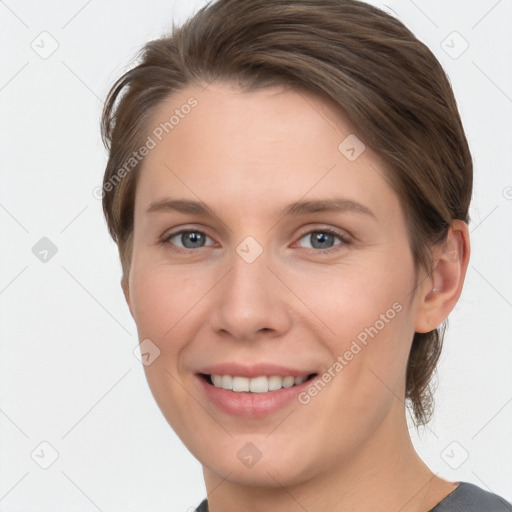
[{"x": 247, "y": 155}]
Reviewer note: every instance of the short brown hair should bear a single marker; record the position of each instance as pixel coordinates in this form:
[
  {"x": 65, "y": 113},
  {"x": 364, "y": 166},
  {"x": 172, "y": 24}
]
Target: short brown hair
[{"x": 388, "y": 84}]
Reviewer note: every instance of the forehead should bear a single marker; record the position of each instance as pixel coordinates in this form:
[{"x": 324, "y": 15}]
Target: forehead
[{"x": 256, "y": 147}]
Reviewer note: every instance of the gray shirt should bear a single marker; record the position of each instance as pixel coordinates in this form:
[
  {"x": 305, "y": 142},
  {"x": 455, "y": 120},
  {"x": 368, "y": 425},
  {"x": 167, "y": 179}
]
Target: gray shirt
[
  {"x": 471, "y": 498},
  {"x": 465, "y": 498}
]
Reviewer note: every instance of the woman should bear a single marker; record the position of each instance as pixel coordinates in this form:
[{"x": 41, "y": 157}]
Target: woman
[{"x": 288, "y": 184}]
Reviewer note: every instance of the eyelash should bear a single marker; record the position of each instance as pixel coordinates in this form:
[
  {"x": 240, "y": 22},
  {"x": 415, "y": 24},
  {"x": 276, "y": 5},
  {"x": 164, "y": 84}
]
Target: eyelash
[{"x": 343, "y": 238}]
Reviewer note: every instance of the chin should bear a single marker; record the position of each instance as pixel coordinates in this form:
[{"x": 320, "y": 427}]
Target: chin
[
  {"x": 261, "y": 463},
  {"x": 262, "y": 474}
]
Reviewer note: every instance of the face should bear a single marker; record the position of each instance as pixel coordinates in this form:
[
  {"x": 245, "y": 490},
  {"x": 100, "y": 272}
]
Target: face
[{"x": 268, "y": 245}]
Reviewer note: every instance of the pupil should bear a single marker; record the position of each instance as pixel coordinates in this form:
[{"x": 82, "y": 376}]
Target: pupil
[
  {"x": 322, "y": 240},
  {"x": 192, "y": 239}
]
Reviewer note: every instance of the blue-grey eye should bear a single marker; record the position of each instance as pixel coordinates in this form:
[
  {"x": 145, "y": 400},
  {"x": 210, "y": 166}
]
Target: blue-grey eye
[
  {"x": 189, "y": 239},
  {"x": 320, "y": 239}
]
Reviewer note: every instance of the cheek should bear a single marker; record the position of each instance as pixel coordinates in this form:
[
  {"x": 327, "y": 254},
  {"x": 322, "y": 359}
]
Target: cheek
[
  {"x": 370, "y": 321},
  {"x": 166, "y": 302},
  {"x": 365, "y": 378},
  {"x": 163, "y": 298},
  {"x": 161, "y": 307},
  {"x": 359, "y": 300},
  {"x": 169, "y": 304}
]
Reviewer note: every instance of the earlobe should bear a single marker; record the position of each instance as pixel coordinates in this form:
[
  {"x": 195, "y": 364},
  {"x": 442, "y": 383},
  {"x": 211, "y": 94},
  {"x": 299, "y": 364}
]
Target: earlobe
[{"x": 440, "y": 292}]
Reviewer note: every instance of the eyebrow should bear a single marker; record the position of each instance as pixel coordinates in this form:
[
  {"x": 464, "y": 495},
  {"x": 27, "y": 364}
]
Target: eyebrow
[{"x": 297, "y": 208}]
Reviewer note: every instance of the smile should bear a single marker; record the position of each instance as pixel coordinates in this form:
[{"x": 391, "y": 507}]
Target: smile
[
  {"x": 260, "y": 384},
  {"x": 252, "y": 397}
]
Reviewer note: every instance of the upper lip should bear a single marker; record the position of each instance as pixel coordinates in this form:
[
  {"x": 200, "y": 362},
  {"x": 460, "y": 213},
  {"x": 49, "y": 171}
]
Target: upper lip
[{"x": 254, "y": 370}]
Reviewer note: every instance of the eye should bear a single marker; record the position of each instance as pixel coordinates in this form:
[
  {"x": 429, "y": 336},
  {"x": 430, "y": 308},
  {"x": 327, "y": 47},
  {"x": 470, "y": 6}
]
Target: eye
[
  {"x": 188, "y": 239},
  {"x": 323, "y": 240}
]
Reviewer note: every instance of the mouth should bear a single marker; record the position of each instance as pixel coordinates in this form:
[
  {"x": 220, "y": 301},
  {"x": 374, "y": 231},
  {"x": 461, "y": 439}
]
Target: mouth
[
  {"x": 257, "y": 385},
  {"x": 253, "y": 397}
]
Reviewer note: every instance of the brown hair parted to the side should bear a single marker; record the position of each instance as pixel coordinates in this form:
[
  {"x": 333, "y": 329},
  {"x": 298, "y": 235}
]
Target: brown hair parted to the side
[{"x": 389, "y": 85}]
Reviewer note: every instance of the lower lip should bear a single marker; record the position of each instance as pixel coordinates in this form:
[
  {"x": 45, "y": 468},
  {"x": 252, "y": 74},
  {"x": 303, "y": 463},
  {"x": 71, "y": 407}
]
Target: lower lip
[{"x": 251, "y": 405}]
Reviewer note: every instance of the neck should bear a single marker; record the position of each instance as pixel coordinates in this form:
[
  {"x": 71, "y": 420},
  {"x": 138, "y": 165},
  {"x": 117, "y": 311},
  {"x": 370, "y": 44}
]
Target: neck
[{"x": 385, "y": 474}]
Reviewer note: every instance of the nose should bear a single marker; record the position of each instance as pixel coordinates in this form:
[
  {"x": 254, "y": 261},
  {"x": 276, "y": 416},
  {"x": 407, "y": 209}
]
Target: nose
[{"x": 251, "y": 302}]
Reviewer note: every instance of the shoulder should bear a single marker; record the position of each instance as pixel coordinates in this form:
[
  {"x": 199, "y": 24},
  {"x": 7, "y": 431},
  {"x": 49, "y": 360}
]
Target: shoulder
[{"x": 471, "y": 498}]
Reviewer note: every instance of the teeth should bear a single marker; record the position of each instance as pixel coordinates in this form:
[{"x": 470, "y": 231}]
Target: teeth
[
  {"x": 227, "y": 382},
  {"x": 255, "y": 385},
  {"x": 275, "y": 383},
  {"x": 288, "y": 382},
  {"x": 258, "y": 385},
  {"x": 299, "y": 380},
  {"x": 240, "y": 384}
]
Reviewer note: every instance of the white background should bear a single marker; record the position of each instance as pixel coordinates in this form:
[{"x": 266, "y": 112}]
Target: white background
[{"x": 68, "y": 375}]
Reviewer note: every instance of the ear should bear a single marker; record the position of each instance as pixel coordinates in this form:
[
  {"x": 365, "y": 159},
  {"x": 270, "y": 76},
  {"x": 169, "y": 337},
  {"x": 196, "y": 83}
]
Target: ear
[
  {"x": 440, "y": 291},
  {"x": 126, "y": 290}
]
